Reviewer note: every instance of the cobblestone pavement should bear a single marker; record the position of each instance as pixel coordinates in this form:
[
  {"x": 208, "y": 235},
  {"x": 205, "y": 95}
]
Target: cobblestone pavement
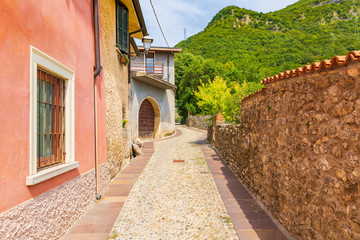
[{"x": 175, "y": 200}]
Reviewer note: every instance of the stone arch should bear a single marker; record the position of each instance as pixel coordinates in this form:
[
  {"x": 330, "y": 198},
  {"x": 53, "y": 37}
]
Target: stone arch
[{"x": 149, "y": 118}]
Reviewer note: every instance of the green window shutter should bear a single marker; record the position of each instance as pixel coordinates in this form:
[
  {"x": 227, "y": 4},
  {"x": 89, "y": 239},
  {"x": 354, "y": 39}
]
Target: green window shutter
[{"x": 122, "y": 27}]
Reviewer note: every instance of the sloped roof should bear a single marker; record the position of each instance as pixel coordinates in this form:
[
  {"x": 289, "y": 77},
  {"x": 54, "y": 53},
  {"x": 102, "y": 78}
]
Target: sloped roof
[{"x": 323, "y": 65}]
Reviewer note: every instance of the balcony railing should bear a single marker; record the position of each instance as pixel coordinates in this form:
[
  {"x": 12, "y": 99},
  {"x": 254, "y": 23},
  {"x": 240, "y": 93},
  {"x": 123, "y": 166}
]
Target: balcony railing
[{"x": 151, "y": 68}]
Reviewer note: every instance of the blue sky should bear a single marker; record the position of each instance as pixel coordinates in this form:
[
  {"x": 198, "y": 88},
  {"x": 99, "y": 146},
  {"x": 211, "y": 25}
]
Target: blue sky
[{"x": 194, "y": 15}]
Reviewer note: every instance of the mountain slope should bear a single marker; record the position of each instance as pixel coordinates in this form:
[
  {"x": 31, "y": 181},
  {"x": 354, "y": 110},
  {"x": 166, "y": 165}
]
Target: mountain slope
[{"x": 304, "y": 32}]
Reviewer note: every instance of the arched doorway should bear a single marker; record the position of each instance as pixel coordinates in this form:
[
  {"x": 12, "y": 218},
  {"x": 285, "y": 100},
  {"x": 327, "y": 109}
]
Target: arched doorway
[{"x": 149, "y": 119}]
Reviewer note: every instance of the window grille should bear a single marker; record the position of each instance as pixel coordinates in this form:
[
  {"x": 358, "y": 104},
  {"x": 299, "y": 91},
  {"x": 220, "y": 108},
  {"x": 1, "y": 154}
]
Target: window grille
[
  {"x": 50, "y": 119},
  {"x": 122, "y": 27}
]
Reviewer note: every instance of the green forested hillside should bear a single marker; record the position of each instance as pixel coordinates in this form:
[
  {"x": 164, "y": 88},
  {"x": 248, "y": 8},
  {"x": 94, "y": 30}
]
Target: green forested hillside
[{"x": 260, "y": 45}]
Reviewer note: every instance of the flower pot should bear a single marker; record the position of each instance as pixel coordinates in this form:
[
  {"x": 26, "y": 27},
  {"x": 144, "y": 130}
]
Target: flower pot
[{"x": 122, "y": 60}]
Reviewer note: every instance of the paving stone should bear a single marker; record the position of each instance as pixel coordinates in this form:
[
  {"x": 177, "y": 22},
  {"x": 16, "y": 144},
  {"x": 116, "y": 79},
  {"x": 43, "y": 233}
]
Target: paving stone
[
  {"x": 99, "y": 219},
  {"x": 175, "y": 200},
  {"x": 249, "y": 219},
  {"x": 199, "y": 198}
]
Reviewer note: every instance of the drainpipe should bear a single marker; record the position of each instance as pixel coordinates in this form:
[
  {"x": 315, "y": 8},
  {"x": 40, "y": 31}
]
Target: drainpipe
[
  {"x": 130, "y": 105},
  {"x": 97, "y": 72},
  {"x": 130, "y": 98}
]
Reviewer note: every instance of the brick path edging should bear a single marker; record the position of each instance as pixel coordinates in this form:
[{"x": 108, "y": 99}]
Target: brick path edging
[
  {"x": 98, "y": 221},
  {"x": 249, "y": 216}
]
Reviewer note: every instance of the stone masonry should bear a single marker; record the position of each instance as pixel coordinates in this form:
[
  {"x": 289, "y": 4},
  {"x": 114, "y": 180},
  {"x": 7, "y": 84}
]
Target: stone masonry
[
  {"x": 298, "y": 150},
  {"x": 200, "y": 122},
  {"x": 115, "y": 76}
]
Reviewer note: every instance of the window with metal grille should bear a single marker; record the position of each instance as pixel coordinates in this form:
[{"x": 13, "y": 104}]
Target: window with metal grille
[
  {"x": 122, "y": 27},
  {"x": 50, "y": 119}
]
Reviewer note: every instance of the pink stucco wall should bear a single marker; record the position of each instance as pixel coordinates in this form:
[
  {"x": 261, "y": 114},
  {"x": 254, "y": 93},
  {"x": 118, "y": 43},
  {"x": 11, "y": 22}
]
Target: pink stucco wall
[{"x": 63, "y": 29}]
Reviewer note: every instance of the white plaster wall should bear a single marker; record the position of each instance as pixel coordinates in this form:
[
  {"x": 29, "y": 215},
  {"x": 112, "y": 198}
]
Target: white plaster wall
[
  {"x": 161, "y": 57},
  {"x": 165, "y": 99}
]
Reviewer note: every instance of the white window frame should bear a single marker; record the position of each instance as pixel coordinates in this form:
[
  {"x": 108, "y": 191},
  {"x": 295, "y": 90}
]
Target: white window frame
[{"x": 45, "y": 62}]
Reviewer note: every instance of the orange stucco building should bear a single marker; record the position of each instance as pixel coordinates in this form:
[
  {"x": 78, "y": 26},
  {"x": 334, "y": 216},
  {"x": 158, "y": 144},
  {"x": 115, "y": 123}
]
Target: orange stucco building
[{"x": 48, "y": 124}]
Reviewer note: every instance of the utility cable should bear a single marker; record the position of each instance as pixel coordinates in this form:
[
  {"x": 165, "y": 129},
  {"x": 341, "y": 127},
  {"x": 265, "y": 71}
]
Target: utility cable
[{"x": 162, "y": 32}]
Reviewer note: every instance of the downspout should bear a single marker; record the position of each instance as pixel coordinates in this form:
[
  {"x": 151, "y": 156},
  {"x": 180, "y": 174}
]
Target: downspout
[
  {"x": 130, "y": 101},
  {"x": 97, "y": 72}
]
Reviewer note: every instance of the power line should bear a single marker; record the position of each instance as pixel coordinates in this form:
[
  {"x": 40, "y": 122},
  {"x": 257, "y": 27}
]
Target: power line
[{"x": 162, "y": 32}]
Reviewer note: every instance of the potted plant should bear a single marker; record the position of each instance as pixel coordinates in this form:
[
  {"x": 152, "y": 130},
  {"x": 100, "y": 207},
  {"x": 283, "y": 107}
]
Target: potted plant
[
  {"x": 127, "y": 60},
  {"x": 124, "y": 121},
  {"x": 123, "y": 59}
]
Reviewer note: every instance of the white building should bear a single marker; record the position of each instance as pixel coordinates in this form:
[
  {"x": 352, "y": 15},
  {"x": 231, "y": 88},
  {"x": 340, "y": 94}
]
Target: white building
[{"x": 153, "y": 93}]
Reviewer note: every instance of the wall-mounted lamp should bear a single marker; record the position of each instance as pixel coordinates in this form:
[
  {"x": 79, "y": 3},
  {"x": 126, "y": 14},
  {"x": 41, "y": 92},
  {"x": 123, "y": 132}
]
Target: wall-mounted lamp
[{"x": 147, "y": 40}]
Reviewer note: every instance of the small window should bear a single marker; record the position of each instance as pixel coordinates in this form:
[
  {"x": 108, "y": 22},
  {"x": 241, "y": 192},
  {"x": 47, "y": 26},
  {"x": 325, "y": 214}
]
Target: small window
[
  {"x": 150, "y": 63},
  {"x": 50, "y": 119},
  {"x": 122, "y": 27}
]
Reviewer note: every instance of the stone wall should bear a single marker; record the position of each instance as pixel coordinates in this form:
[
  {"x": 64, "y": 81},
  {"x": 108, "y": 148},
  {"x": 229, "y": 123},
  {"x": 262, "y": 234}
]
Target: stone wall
[
  {"x": 53, "y": 213},
  {"x": 201, "y": 122},
  {"x": 116, "y": 92},
  {"x": 298, "y": 151}
]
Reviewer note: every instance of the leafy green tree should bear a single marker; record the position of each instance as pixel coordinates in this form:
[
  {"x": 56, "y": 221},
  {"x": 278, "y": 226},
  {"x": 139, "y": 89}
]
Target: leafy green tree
[
  {"x": 241, "y": 45},
  {"x": 220, "y": 96},
  {"x": 232, "y": 110},
  {"x": 212, "y": 97},
  {"x": 187, "y": 74}
]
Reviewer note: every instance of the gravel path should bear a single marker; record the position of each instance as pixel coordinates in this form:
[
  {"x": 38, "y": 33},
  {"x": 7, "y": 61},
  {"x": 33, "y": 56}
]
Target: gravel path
[{"x": 175, "y": 200}]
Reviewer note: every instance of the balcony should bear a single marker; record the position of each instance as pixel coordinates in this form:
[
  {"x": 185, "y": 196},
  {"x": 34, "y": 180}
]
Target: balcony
[
  {"x": 151, "y": 73},
  {"x": 155, "y": 69}
]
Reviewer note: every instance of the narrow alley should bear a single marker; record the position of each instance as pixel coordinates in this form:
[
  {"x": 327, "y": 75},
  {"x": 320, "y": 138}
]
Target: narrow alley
[{"x": 184, "y": 191}]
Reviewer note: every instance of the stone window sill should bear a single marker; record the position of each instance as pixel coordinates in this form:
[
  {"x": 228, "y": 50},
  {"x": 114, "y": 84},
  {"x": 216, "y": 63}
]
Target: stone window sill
[{"x": 50, "y": 173}]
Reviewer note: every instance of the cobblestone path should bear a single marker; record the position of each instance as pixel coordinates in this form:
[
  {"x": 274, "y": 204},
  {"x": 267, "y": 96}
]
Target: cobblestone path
[{"x": 175, "y": 200}]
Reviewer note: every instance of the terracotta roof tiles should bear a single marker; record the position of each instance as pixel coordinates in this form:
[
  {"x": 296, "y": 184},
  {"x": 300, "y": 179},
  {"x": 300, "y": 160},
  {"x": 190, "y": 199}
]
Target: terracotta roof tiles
[{"x": 317, "y": 66}]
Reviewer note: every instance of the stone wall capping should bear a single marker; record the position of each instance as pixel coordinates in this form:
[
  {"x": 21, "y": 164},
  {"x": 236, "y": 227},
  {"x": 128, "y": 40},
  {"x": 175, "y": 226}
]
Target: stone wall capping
[{"x": 314, "y": 67}]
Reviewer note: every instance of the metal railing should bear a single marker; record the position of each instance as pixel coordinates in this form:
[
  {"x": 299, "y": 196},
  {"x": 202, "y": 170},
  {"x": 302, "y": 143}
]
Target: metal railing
[{"x": 151, "y": 68}]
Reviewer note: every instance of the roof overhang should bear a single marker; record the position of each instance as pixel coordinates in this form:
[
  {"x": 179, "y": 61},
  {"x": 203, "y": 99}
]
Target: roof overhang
[
  {"x": 152, "y": 80},
  {"x": 136, "y": 19},
  {"x": 133, "y": 46},
  {"x": 161, "y": 49}
]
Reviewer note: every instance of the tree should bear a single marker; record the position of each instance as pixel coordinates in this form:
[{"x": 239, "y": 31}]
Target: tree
[
  {"x": 187, "y": 74},
  {"x": 213, "y": 96},
  {"x": 220, "y": 96}
]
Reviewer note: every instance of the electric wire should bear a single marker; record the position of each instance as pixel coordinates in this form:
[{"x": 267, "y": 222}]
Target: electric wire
[
  {"x": 162, "y": 32},
  {"x": 158, "y": 22}
]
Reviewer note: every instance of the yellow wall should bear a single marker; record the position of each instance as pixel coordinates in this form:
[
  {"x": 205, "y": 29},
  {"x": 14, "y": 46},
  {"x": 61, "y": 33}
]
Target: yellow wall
[{"x": 116, "y": 91}]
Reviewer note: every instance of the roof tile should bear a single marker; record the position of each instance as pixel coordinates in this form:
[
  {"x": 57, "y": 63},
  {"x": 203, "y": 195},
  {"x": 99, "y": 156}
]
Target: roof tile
[{"x": 316, "y": 66}]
